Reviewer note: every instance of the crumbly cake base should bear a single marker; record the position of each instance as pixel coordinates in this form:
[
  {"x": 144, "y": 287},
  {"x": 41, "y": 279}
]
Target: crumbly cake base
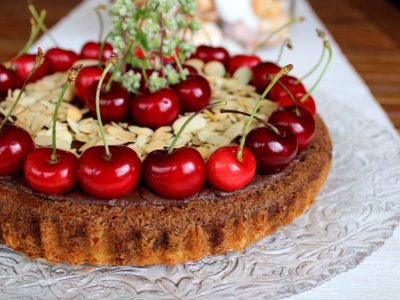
[{"x": 168, "y": 232}]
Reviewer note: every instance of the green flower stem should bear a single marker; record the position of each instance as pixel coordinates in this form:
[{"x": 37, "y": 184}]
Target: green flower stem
[
  {"x": 162, "y": 33},
  {"x": 41, "y": 25},
  {"x": 285, "y": 70},
  {"x": 39, "y": 61},
  {"x": 328, "y": 47},
  {"x": 180, "y": 68},
  {"x": 112, "y": 61},
  {"x": 286, "y": 43},
  {"x": 73, "y": 73},
  {"x": 118, "y": 66},
  {"x": 101, "y": 23},
  {"x": 178, "y": 135},
  {"x": 279, "y": 29}
]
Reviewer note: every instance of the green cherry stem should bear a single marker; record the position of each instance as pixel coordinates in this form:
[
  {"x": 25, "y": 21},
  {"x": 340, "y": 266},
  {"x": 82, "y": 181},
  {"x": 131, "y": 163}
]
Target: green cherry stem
[
  {"x": 286, "y": 43},
  {"x": 38, "y": 62},
  {"x": 101, "y": 50},
  {"x": 182, "y": 128},
  {"x": 110, "y": 63},
  {"x": 289, "y": 93},
  {"x": 41, "y": 24},
  {"x": 285, "y": 70},
  {"x": 322, "y": 35},
  {"x": 279, "y": 29},
  {"x": 35, "y": 29},
  {"x": 225, "y": 111},
  {"x": 118, "y": 66},
  {"x": 97, "y": 10},
  {"x": 328, "y": 47},
  {"x": 73, "y": 73},
  {"x": 178, "y": 63}
]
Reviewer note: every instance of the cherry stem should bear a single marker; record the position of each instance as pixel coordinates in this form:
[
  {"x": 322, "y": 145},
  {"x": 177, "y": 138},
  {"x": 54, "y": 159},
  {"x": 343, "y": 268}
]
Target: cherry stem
[
  {"x": 180, "y": 131},
  {"x": 110, "y": 63},
  {"x": 38, "y": 62},
  {"x": 289, "y": 93},
  {"x": 224, "y": 111},
  {"x": 322, "y": 35},
  {"x": 279, "y": 29},
  {"x": 35, "y": 29},
  {"x": 328, "y": 47},
  {"x": 101, "y": 21},
  {"x": 180, "y": 68},
  {"x": 73, "y": 73},
  {"x": 285, "y": 70},
  {"x": 101, "y": 50},
  {"x": 41, "y": 24},
  {"x": 118, "y": 66},
  {"x": 286, "y": 43}
]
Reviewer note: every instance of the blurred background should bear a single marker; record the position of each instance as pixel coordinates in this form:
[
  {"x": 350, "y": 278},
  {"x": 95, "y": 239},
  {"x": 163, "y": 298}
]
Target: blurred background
[{"x": 368, "y": 31}]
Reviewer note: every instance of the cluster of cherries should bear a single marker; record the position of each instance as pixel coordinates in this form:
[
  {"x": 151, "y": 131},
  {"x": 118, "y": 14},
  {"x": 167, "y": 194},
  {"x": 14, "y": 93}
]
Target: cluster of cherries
[{"x": 114, "y": 171}]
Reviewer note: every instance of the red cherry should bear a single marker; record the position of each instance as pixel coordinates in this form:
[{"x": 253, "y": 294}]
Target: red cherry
[
  {"x": 25, "y": 63},
  {"x": 191, "y": 70},
  {"x": 60, "y": 60},
  {"x": 15, "y": 145},
  {"x": 273, "y": 150},
  {"x": 8, "y": 81},
  {"x": 308, "y": 104},
  {"x": 239, "y": 61},
  {"x": 155, "y": 109},
  {"x": 91, "y": 50},
  {"x": 109, "y": 178},
  {"x": 226, "y": 173},
  {"x": 262, "y": 74},
  {"x": 194, "y": 93},
  {"x": 278, "y": 93},
  {"x": 177, "y": 175},
  {"x": 208, "y": 53},
  {"x": 85, "y": 78},
  {"x": 47, "y": 177},
  {"x": 300, "y": 122},
  {"x": 114, "y": 104}
]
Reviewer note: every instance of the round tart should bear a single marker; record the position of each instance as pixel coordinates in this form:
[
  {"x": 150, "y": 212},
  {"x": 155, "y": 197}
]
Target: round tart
[{"x": 143, "y": 229}]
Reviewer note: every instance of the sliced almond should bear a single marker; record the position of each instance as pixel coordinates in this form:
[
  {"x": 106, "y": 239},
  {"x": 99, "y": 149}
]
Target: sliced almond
[
  {"x": 243, "y": 75},
  {"x": 215, "y": 68},
  {"x": 74, "y": 114},
  {"x": 196, "y": 124},
  {"x": 121, "y": 134}
]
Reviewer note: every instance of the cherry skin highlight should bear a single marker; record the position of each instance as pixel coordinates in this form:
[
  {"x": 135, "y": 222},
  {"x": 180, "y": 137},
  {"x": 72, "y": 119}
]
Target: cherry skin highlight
[
  {"x": 226, "y": 173},
  {"x": 114, "y": 104},
  {"x": 194, "y": 93},
  {"x": 156, "y": 109},
  {"x": 177, "y": 175},
  {"x": 60, "y": 60},
  {"x": 239, "y": 61},
  {"x": 109, "y": 178},
  {"x": 8, "y": 81},
  {"x": 273, "y": 150},
  {"x": 47, "y": 177},
  {"x": 15, "y": 145},
  {"x": 299, "y": 121}
]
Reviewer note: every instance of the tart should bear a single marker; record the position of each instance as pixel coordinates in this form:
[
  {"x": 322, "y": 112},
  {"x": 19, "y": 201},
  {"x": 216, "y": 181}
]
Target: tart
[{"x": 171, "y": 176}]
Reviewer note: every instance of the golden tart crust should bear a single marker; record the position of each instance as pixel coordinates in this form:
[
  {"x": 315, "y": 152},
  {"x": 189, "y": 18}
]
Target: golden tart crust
[{"x": 143, "y": 229}]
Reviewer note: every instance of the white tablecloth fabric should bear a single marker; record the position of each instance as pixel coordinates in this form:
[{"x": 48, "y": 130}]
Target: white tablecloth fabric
[{"x": 378, "y": 276}]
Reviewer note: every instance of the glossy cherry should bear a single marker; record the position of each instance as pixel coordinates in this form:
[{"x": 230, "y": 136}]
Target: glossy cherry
[
  {"x": 114, "y": 103},
  {"x": 156, "y": 109},
  {"x": 109, "y": 178},
  {"x": 278, "y": 93},
  {"x": 25, "y": 63},
  {"x": 8, "y": 81},
  {"x": 226, "y": 173},
  {"x": 273, "y": 150},
  {"x": 47, "y": 177},
  {"x": 60, "y": 60},
  {"x": 262, "y": 74},
  {"x": 91, "y": 50},
  {"x": 194, "y": 93},
  {"x": 239, "y": 61},
  {"x": 177, "y": 175},
  {"x": 85, "y": 78},
  {"x": 15, "y": 145},
  {"x": 298, "y": 120},
  {"x": 208, "y": 53}
]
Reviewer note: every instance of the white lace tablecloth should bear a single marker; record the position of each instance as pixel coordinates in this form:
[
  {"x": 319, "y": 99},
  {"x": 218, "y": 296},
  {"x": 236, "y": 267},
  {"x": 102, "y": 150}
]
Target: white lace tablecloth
[{"x": 378, "y": 276}]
